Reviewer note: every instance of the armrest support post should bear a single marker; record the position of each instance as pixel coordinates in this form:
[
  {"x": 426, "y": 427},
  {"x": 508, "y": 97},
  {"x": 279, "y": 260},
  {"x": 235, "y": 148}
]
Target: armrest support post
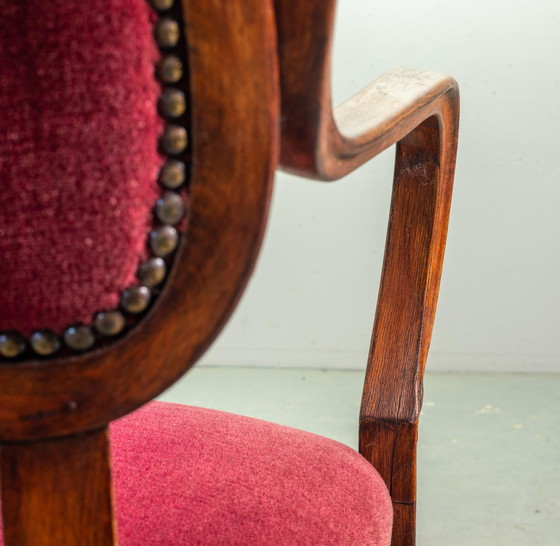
[{"x": 392, "y": 396}]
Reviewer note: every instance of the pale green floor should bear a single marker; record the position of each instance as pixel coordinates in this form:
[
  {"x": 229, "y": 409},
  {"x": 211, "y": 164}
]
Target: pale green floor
[{"x": 489, "y": 447}]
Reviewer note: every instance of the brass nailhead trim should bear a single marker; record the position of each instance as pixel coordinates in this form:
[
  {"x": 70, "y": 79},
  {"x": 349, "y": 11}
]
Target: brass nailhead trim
[
  {"x": 172, "y": 174},
  {"x": 163, "y": 240},
  {"x": 12, "y": 344},
  {"x": 161, "y": 5},
  {"x": 135, "y": 299},
  {"x": 170, "y": 208},
  {"x": 167, "y": 33},
  {"x": 174, "y": 140},
  {"x": 109, "y": 323},
  {"x": 44, "y": 342},
  {"x": 170, "y": 69},
  {"x": 172, "y": 103},
  {"x": 79, "y": 337},
  {"x": 152, "y": 272}
]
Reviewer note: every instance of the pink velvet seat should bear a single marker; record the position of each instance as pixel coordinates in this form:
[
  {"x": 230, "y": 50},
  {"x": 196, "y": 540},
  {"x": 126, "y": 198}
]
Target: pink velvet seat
[{"x": 185, "y": 475}]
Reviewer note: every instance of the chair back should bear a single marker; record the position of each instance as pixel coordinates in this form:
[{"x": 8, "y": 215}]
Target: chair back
[
  {"x": 137, "y": 145},
  {"x": 138, "y": 141}
]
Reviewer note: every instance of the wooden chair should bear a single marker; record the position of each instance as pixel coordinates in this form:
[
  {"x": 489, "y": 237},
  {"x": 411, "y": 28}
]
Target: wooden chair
[{"x": 256, "y": 76}]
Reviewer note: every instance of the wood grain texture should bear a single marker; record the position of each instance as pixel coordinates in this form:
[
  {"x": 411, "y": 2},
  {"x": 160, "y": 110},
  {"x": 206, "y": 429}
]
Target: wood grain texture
[
  {"x": 419, "y": 111},
  {"x": 58, "y": 492},
  {"x": 406, "y": 306},
  {"x": 235, "y": 129},
  {"x": 391, "y": 449}
]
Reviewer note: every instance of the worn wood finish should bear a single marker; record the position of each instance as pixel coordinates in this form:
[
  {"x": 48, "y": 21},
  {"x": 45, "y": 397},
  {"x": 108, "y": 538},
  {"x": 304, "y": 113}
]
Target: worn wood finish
[
  {"x": 58, "y": 492},
  {"x": 235, "y": 126},
  {"x": 325, "y": 143},
  {"x": 406, "y": 306},
  {"x": 418, "y": 110}
]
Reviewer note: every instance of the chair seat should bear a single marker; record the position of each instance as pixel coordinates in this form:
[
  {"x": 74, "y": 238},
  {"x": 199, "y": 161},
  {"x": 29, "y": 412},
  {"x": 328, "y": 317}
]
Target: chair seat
[{"x": 188, "y": 476}]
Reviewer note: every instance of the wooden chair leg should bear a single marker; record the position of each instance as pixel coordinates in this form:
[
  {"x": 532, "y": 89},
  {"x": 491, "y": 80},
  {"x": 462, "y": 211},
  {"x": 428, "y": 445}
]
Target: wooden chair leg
[
  {"x": 58, "y": 492},
  {"x": 405, "y": 313},
  {"x": 391, "y": 448}
]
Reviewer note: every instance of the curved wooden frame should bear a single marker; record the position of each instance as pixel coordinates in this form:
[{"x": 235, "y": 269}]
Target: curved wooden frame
[
  {"x": 419, "y": 111},
  {"x": 42, "y": 399}
]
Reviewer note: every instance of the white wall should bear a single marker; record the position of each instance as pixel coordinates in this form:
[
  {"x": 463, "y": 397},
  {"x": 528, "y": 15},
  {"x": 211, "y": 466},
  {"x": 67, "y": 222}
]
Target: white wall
[{"x": 311, "y": 300}]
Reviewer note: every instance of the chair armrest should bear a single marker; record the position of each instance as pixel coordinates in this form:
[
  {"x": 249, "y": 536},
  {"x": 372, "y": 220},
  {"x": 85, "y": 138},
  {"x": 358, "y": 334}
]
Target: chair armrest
[
  {"x": 375, "y": 118},
  {"x": 419, "y": 111}
]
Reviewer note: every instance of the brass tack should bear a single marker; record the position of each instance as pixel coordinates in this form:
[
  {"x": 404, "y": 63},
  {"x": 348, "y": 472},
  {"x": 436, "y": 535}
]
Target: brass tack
[
  {"x": 174, "y": 140},
  {"x": 172, "y": 103},
  {"x": 170, "y": 208},
  {"x": 44, "y": 342},
  {"x": 109, "y": 323},
  {"x": 172, "y": 174},
  {"x": 11, "y": 344},
  {"x": 167, "y": 32},
  {"x": 161, "y": 5},
  {"x": 163, "y": 240},
  {"x": 135, "y": 299},
  {"x": 170, "y": 69},
  {"x": 79, "y": 337},
  {"x": 152, "y": 272}
]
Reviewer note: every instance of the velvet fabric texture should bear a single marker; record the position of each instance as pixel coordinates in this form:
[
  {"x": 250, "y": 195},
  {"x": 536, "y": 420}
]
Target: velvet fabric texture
[
  {"x": 190, "y": 476},
  {"x": 78, "y": 156},
  {"x": 186, "y": 476}
]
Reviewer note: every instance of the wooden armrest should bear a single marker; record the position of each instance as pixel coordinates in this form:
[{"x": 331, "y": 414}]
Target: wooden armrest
[
  {"x": 322, "y": 143},
  {"x": 419, "y": 111},
  {"x": 374, "y": 119}
]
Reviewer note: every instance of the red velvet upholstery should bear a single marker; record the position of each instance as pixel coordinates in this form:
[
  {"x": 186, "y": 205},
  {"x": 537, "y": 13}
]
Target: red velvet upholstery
[
  {"x": 78, "y": 159},
  {"x": 186, "y": 476},
  {"x": 190, "y": 476}
]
